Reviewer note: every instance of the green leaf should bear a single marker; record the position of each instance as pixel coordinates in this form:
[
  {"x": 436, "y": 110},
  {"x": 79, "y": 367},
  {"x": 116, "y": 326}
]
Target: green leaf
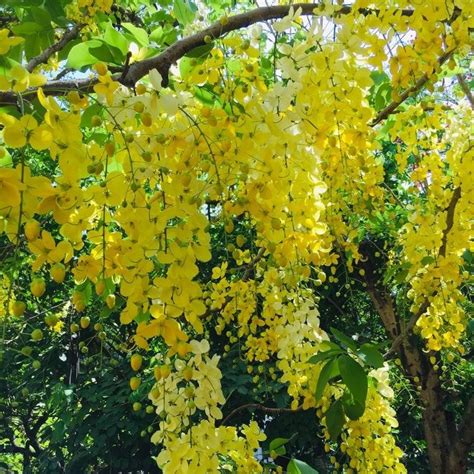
[
  {"x": 186, "y": 65},
  {"x": 352, "y": 408},
  {"x": 113, "y": 38},
  {"x": 56, "y": 10},
  {"x": 427, "y": 260},
  {"x": 354, "y": 377},
  {"x": 320, "y": 356},
  {"x": 107, "y": 53},
  {"x": 6, "y": 160},
  {"x": 157, "y": 35},
  {"x": 204, "y": 95},
  {"x": 278, "y": 445},
  {"x": 41, "y": 16},
  {"x": 26, "y": 28},
  {"x": 343, "y": 339},
  {"x": 138, "y": 34},
  {"x": 80, "y": 55},
  {"x": 296, "y": 466},
  {"x": 86, "y": 117},
  {"x": 201, "y": 51},
  {"x": 183, "y": 11},
  {"x": 329, "y": 371},
  {"x": 370, "y": 355},
  {"x": 470, "y": 328},
  {"x": 335, "y": 419}
]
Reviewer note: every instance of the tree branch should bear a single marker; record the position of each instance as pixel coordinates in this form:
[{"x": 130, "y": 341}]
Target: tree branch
[
  {"x": 43, "y": 57},
  {"x": 384, "y": 113},
  {"x": 450, "y": 210},
  {"x": 465, "y": 89},
  {"x": 13, "y": 449},
  {"x": 163, "y": 61},
  {"x": 257, "y": 406}
]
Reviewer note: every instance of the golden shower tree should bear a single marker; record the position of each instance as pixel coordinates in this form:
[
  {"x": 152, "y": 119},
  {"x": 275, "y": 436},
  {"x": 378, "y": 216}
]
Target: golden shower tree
[{"x": 211, "y": 175}]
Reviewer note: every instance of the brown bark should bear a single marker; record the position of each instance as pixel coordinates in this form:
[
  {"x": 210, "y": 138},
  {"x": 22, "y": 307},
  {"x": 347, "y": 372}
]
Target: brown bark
[
  {"x": 447, "y": 445},
  {"x": 163, "y": 61}
]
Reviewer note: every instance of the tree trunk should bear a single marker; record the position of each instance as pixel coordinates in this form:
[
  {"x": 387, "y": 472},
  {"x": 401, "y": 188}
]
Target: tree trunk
[{"x": 447, "y": 445}]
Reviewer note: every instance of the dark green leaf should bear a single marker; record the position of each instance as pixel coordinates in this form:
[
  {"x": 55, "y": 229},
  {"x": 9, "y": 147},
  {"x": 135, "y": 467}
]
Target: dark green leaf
[
  {"x": 352, "y": 408},
  {"x": 370, "y": 355},
  {"x": 320, "y": 356},
  {"x": 107, "y": 54},
  {"x": 354, "y": 377},
  {"x": 201, "y": 51},
  {"x": 26, "y": 28},
  {"x": 343, "y": 339},
  {"x": 329, "y": 371},
  {"x": 335, "y": 419},
  {"x": 427, "y": 260}
]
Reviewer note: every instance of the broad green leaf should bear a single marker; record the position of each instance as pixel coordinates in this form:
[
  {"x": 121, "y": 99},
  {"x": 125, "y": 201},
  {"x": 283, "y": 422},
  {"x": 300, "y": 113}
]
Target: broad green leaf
[
  {"x": 427, "y": 260},
  {"x": 329, "y": 371},
  {"x": 138, "y": 34},
  {"x": 205, "y": 96},
  {"x": 370, "y": 355},
  {"x": 354, "y": 377},
  {"x": 157, "y": 35},
  {"x": 343, "y": 339},
  {"x": 352, "y": 408},
  {"x": 41, "y": 16},
  {"x": 335, "y": 419},
  {"x": 80, "y": 55},
  {"x": 320, "y": 356},
  {"x": 296, "y": 466},
  {"x": 107, "y": 54},
  {"x": 26, "y": 28},
  {"x": 183, "y": 11},
  {"x": 113, "y": 38},
  {"x": 278, "y": 445},
  {"x": 86, "y": 117}
]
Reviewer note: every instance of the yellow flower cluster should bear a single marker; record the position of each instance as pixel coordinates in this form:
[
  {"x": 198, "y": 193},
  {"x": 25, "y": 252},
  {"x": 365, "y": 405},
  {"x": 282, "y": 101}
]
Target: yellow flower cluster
[
  {"x": 183, "y": 388},
  {"x": 138, "y": 186},
  {"x": 435, "y": 236},
  {"x": 84, "y": 11},
  {"x": 368, "y": 441},
  {"x": 206, "y": 448}
]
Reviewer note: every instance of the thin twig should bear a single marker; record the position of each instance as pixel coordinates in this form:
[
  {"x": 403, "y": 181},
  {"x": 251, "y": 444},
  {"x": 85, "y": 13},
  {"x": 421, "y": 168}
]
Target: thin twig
[
  {"x": 257, "y": 406},
  {"x": 466, "y": 89}
]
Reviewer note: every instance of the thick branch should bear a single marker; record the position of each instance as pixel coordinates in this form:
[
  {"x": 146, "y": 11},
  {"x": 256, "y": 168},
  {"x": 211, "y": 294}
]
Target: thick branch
[
  {"x": 54, "y": 48},
  {"x": 450, "y": 210},
  {"x": 163, "y": 61},
  {"x": 56, "y": 88}
]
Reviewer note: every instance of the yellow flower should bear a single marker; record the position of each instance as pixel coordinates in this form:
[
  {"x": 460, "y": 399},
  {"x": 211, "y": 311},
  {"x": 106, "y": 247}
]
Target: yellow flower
[
  {"x": 17, "y": 133},
  {"x": 10, "y": 188},
  {"x": 6, "y": 42}
]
